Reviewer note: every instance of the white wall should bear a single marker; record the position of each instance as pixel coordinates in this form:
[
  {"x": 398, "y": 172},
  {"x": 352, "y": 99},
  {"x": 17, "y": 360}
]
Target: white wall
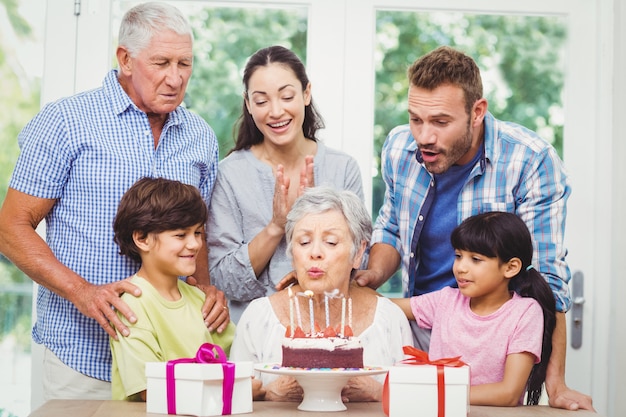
[{"x": 617, "y": 360}]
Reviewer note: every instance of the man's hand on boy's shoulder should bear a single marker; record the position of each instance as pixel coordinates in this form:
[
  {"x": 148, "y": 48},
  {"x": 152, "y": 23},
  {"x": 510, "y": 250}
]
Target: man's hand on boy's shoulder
[
  {"x": 101, "y": 302},
  {"x": 215, "y": 309}
]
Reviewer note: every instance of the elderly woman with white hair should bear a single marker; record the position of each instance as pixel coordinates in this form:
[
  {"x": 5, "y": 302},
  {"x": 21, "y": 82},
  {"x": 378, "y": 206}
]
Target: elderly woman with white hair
[{"x": 327, "y": 233}]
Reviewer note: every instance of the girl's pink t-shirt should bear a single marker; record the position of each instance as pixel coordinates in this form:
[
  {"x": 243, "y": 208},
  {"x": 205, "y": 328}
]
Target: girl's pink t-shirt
[{"x": 483, "y": 342}]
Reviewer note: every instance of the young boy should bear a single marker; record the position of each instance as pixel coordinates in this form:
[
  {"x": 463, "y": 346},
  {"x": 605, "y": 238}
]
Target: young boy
[{"x": 160, "y": 223}]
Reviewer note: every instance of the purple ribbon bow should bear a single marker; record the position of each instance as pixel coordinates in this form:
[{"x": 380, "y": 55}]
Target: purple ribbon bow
[{"x": 204, "y": 355}]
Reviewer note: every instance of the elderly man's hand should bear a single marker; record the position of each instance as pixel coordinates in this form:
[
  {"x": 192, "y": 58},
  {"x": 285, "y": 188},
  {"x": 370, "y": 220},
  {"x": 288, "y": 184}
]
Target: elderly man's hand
[
  {"x": 101, "y": 301},
  {"x": 215, "y": 309}
]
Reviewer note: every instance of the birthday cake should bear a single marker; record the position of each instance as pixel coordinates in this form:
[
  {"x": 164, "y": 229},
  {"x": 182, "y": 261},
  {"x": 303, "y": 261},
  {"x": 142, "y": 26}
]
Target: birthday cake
[
  {"x": 327, "y": 348},
  {"x": 322, "y": 352}
]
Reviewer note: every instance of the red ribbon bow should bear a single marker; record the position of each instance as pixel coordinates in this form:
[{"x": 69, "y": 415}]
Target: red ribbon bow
[
  {"x": 204, "y": 355},
  {"x": 419, "y": 357}
]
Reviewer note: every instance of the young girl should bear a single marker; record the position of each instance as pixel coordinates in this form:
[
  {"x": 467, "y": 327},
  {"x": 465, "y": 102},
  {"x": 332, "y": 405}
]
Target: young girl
[
  {"x": 160, "y": 223},
  {"x": 501, "y": 317}
]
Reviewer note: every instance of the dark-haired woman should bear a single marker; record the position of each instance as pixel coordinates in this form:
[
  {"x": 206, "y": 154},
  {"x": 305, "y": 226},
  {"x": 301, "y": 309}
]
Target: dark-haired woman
[{"x": 276, "y": 156}]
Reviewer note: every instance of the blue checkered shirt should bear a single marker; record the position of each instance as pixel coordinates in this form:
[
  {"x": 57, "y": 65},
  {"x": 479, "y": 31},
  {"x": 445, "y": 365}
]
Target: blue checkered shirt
[
  {"x": 85, "y": 151},
  {"x": 518, "y": 173}
]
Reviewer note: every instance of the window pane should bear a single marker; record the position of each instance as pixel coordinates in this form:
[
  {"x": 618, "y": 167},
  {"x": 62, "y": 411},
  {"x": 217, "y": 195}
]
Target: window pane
[
  {"x": 521, "y": 60},
  {"x": 21, "y": 66},
  {"x": 224, "y": 39}
]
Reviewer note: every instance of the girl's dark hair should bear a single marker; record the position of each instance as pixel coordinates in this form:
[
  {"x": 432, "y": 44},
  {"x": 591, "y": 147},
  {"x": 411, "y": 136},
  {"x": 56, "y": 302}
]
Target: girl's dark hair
[
  {"x": 155, "y": 205},
  {"x": 505, "y": 236},
  {"x": 246, "y": 133}
]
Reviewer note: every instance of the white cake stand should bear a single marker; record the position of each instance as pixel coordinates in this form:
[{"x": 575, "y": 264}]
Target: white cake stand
[{"x": 322, "y": 387}]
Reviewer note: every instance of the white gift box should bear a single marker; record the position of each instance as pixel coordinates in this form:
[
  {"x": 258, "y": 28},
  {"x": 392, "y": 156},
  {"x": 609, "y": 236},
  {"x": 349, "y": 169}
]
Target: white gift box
[
  {"x": 198, "y": 388},
  {"x": 413, "y": 391}
]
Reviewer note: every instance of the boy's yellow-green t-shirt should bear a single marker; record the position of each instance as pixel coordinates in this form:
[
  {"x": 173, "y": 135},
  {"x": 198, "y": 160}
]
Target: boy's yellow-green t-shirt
[{"x": 164, "y": 330}]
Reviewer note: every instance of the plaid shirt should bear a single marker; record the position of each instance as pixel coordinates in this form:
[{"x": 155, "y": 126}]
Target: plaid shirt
[
  {"x": 519, "y": 173},
  {"x": 85, "y": 151}
]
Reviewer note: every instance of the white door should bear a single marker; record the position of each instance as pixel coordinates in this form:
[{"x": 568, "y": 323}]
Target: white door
[{"x": 341, "y": 64}]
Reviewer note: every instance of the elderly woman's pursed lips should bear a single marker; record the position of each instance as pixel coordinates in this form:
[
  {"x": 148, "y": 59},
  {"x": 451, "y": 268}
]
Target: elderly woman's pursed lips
[{"x": 315, "y": 272}]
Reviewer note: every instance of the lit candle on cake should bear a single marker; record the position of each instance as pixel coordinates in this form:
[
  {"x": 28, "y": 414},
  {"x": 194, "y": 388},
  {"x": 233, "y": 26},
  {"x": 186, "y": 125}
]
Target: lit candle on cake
[
  {"x": 328, "y": 296},
  {"x": 343, "y": 316},
  {"x": 298, "y": 315},
  {"x": 291, "y": 310},
  {"x": 350, "y": 312},
  {"x": 310, "y": 294},
  {"x": 326, "y": 311}
]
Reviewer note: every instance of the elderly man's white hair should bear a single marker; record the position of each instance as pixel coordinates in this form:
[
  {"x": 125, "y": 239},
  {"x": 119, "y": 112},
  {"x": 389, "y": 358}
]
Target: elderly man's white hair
[{"x": 143, "y": 21}]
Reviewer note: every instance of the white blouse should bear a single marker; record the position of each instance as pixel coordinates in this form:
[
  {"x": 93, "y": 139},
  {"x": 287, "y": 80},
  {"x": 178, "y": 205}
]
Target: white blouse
[{"x": 260, "y": 334}]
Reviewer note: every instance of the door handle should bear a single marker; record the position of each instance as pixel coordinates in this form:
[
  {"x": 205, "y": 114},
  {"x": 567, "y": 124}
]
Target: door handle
[{"x": 578, "y": 301}]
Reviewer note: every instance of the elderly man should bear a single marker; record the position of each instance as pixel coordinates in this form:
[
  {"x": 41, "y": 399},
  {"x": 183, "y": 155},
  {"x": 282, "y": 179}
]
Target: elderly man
[{"x": 78, "y": 157}]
